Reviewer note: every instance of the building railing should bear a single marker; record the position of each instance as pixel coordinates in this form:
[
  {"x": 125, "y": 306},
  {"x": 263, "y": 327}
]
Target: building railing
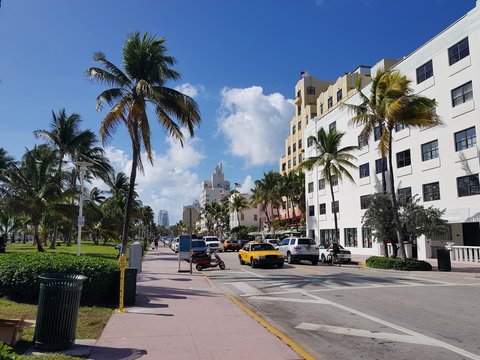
[{"x": 466, "y": 253}]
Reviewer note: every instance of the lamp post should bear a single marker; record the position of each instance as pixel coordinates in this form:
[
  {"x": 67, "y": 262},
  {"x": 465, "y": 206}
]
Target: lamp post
[{"x": 82, "y": 165}]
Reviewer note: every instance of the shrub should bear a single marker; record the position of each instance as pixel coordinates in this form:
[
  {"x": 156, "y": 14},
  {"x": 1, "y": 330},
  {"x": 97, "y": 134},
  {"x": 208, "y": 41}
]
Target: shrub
[
  {"x": 380, "y": 262},
  {"x": 19, "y": 275}
]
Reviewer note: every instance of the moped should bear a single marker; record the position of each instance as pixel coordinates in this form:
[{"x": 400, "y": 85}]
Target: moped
[{"x": 206, "y": 261}]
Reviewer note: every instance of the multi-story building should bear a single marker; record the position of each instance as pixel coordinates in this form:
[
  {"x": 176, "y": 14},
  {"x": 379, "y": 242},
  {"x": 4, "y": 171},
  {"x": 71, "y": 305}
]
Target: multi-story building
[
  {"x": 163, "y": 218},
  {"x": 251, "y": 216},
  {"x": 440, "y": 165},
  {"x": 214, "y": 189},
  {"x": 191, "y": 214}
]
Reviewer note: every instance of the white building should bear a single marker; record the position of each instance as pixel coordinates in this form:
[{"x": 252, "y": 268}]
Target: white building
[
  {"x": 214, "y": 189},
  {"x": 163, "y": 218},
  {"x": 439, "y": 164},
  {"x": 252, "y": 216}
]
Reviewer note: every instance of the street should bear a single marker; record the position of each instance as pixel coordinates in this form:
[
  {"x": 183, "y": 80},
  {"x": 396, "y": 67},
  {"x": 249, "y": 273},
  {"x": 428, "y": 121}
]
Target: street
[{"x": 349, "y": 312}]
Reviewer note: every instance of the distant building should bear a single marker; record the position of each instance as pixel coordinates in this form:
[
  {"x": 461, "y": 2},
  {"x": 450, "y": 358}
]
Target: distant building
[
  {"x": 191, "y": 214},
  {"x": 163, "y": 218},
  {"x": 213, "y": 190}
]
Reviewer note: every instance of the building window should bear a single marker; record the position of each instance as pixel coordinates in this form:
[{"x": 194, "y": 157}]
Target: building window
[
  {"x": 430, "y": 150},
  {"x": 311, "y": 210},
  {"x": 404, "y": 194},
  {"x": 321, "y": 108},
  {"x": 309, "y": 141},
  {"x": 431, "y": 191},
  {"x": 327, "y": 236},
  {"x": 310, "y": 187},
  {"x": 294, "y": 147},
  {"x": 332, "y": 126},
  {"x": 330, "y": 102},
  {"x": 403, "y": 158},
  {"x": 367, "y": 237},
  {"x": 322, "y": 209},
  {"x": 424, "y": 72},
  {"x": 362, "y": 141},
  {"x": 255, "y": 217},
  {"x": 299, "y": 125},
  {"x": 462, "y": 94},
  {"x": 284, "y": 167},
  {"x": 313, "y": 115},
  {"x": 400, "y": 127},
  {"x": 377, "y": 132},
  {"x": 364, "y": 170},
  {"x": 321, "y": 184},
  {"x": 334, "y": 180},
  {"x": 299, "y": 144},
  {"x": 294, "y": 161},
  {"x": 339, "y": 94},
  {"x": 350, "y": 237},
  {"x": 380, "y": 165},
  {"x": 294, "y": 130},
  {"x": 468, "y": 185},
  {"x": 289, "y": 150},
  {"x": 310, "y": 90},
  {"x": 242, "y": 217},
  {"x": 458, "y": 51},
  {"x": 335, "y": 206},
  {"x": 289, "y": 164},
  {"x": 300, "y": 158},
  {"x": 465, "y": 139},
  {"x": 365, "y": 201},
  {"x": 299, "y": 93}
]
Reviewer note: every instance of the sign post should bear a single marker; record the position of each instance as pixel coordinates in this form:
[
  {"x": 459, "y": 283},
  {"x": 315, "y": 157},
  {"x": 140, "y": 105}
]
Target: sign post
[{"x": 184, "y": 249}]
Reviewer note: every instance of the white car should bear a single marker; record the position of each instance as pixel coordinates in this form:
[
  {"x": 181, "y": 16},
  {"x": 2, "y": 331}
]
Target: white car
[
  {"x": 213, "y": 243},
  {"x": 344, "y": 256},
  {"x": 295, "y": 249},
  {"x": 273, "y": 242}
]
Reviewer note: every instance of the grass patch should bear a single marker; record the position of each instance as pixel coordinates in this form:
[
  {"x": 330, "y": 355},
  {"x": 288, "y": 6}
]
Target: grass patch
[{"x": 90, "y": 324}]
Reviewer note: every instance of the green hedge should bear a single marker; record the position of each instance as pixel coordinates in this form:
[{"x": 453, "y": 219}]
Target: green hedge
[
  {"x": 380, "y": 262},
  {"x": 19, "y": 275}
]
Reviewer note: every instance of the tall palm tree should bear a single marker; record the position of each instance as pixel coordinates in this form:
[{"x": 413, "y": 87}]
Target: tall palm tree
[
  {"x": 238, "y": 204},
  {"x": 392, "y": 102},
  {"x": 333, "y": 160},
  {"x": 147, "y": 68},
  {"x": 5, "y": 159}
]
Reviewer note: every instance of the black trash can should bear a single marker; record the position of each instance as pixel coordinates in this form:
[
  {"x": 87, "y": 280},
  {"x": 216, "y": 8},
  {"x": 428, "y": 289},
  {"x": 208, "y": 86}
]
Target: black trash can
[
  {"x": 443, "y": 257},
  {"x": 130, "y": 288},
  {"x": 57, "y": 311}
]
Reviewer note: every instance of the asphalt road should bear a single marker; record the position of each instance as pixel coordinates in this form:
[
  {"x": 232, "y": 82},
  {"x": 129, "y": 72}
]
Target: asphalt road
[{"x": 352, "y": 313}]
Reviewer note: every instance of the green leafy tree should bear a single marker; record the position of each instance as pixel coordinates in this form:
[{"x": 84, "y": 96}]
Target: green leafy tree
[
  {"x": 147, "y": 68},
  {"x": 333, "y": 160},
  {"x": 238, "y": 204}
]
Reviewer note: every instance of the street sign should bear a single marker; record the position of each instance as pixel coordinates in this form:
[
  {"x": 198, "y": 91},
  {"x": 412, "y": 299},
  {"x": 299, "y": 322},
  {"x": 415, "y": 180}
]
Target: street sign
[{"x": 81, "y": 221}]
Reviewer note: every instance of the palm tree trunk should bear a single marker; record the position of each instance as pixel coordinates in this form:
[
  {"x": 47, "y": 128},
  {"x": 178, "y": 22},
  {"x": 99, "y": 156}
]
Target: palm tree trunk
[
  {"x": 335, "y": 236},
  {"x": 393, "y": 197},
  {"x": 37, "y": 239},
  {"x": 288, "y": 208},
  {"x": 128, "y": 207}
]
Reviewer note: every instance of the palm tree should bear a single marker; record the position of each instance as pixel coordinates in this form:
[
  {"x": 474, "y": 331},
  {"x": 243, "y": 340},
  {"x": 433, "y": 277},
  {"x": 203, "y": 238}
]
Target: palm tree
[
  {"x": 393, "y": 103},
  {"x": 5, "y": 159},
  {"x": 147, "y": 68},
  {"x": 238, "y": 204},
  {"x": 333, "y": 160}
]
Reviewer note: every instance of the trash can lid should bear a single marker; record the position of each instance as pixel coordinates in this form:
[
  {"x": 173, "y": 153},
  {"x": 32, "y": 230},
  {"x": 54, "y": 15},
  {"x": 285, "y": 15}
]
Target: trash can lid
[{"x": 61, "y": 279}]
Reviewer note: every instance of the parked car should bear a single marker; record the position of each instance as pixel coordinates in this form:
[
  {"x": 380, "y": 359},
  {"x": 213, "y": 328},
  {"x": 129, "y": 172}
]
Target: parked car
[
  {"x": 273, "y": 242},
  {"x": 174, "y": 245},
  {"x": 213, "y": 243},
  {"x": 344, "y": 256},
  {"x": 242, "y": 242},
  {"x": 259, "y": 253},
  {"x": 199, "y": 247},
  {"x": 231, "y": 245},
  {"x": 296, "y": 249}
]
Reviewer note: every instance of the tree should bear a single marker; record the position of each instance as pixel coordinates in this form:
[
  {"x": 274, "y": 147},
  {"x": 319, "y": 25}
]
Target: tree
[
  {"x": 5, "y": 159},
  {"x": 238, "y": 204},
  {"x": 333, "y": 161},
  {"x": 147, "y": 68}
]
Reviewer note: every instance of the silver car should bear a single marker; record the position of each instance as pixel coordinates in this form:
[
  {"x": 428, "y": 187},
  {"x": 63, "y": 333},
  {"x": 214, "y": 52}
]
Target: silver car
[{"x": 295, "y": 249}]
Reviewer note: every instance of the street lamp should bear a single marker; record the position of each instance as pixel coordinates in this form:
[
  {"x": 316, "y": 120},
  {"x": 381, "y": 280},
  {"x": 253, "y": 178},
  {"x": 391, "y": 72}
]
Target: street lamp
[{"x": 82, "y": 165}]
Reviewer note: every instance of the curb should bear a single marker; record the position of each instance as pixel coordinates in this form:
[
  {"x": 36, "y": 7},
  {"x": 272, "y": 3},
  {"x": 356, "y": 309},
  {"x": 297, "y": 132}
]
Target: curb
[{"x": 287, "y": 340}]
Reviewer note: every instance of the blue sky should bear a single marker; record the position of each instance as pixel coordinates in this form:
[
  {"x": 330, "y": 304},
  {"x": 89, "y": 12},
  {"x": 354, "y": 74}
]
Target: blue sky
[{"x": 239, "y": 59}]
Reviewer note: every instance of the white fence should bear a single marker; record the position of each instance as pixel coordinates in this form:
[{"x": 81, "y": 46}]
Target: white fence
[{"x": 466, "y": 253}]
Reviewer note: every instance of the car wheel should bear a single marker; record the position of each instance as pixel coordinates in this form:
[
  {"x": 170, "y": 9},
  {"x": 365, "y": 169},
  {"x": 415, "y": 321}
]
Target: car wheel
[
  {"x": 289, "y": 258},
  {"x": 280, "y": 265},
  {"x": 314, "y": 262},
  {"x": 241, "y": 261},
  {"x": 199, "y": 267},
  {"x": 323, "y": 259},
  {"x": 253, "y": 263},
  {"x": 222, "y": 265}
]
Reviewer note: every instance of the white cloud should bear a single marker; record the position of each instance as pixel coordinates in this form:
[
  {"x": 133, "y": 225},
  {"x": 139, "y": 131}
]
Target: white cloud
[
  {"x": 255, "y": 124},
  {"x": 170, "y": 183},
  {"x": 191, "y": 90},
  {"x": 247, "y": 184}
]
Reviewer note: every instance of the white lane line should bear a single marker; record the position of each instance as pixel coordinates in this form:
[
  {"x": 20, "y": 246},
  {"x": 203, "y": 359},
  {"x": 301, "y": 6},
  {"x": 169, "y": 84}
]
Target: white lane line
[
  {"x": 362, "y": 333},
  {"x": 296, "y": 300},
  {"x": 250, "y": 272},
  {"x": 246, "y": 289},
  {"x": 426, "y": 339}
]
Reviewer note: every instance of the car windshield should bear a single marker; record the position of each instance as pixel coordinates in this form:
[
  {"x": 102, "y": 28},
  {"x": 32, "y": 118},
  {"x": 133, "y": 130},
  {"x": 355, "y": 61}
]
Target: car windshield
[
  {"x": 306, "y": 241},
  {"x": 260, "y": 247},
  {"x": 273, "y": 241}
]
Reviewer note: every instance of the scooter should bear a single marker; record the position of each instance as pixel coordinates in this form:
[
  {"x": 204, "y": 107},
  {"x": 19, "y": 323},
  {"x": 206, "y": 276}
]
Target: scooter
[{"x": 206, "y": 261}]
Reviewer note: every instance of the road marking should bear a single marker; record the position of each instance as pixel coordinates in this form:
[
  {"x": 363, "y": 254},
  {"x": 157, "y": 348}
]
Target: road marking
[
  {"x": 247, "y": 289},
  {"x": 427, "y": 339},
  {"x": 363, "y": 333},
  {"x": 296, "y": 300},
  {"x": 250, "y": 272}
]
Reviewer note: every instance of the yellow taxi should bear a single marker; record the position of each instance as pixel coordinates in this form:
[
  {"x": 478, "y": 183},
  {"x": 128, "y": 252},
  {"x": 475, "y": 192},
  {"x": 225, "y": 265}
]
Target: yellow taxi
[{"x": 259, "y": 253}]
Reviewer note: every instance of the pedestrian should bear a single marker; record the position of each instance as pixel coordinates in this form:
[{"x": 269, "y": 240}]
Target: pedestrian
[{"x": 156, "y": 243}]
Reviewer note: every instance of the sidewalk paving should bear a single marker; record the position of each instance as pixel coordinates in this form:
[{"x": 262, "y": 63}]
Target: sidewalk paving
[{"x": 181, "y": 316}]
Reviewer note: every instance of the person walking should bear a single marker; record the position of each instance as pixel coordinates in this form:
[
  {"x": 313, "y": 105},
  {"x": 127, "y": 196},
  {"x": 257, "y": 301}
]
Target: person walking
[{"x": 155, "y": 241}]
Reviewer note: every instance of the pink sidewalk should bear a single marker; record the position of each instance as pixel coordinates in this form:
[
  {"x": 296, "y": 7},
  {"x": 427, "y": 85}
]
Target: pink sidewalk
[{"x": 180, "y": 316}]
